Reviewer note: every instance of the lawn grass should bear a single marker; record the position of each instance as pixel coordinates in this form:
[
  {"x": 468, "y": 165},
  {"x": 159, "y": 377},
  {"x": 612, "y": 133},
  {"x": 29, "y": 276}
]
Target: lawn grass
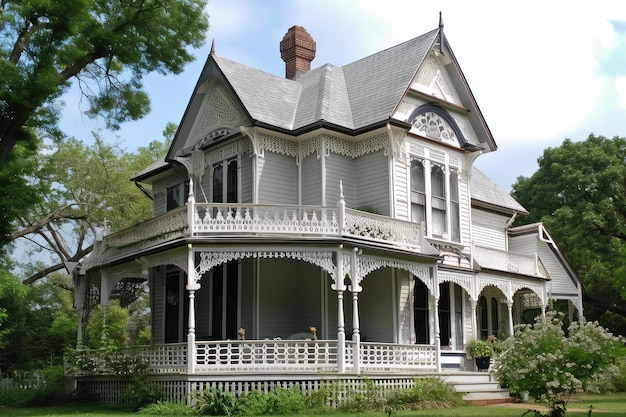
[{"x": 612, "y": 405}]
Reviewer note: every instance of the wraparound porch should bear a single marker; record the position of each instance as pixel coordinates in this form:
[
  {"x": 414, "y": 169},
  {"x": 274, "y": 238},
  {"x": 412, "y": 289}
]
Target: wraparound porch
[{"x": 271, "y": 357}]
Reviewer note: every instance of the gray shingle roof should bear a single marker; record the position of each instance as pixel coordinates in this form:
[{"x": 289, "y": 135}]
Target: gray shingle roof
[
  {"x": 486, "y": 191},
  {"x": 357, "y": 95}
]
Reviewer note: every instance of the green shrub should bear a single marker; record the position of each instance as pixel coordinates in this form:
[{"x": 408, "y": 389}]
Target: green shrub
[
  {"x": 426, "y": 393},
  {"x": 283, "y": 401},
  {"x": 551, "y": 367},
  {"x": 619, "y": 380},
  {"x": 168, "y": 408},
  {"x": 252, "y": 404},
  {"x": 215, "y": 402},
  {"x": 141, "y": 392},
  {"x": 367, "y": 399}
]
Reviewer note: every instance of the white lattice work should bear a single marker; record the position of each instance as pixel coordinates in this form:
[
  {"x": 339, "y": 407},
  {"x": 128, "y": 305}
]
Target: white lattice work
[
  {"x": 210, "y": 259},
  {"x": 464, "y": 281},
  {"x": 166, "y": 359},
  {"x": 237, "y": 218},
  {"x": 380, "y": 357},
  {"x": 381, "y": 228},
  {"x": 218, "y": 109},
  {"x": 266, "y": 356},
  {"x": 158, "y": 229}
]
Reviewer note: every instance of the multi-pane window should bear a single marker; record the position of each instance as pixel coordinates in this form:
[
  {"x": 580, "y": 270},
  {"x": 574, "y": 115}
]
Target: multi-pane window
[
  {"x": 435, "y": 198},
  {"x": 225, "y": 184},
  {"x": 418, "y": 191},
  {"x": 177, "y": 195},
  {"x": 438, "y": 200}
]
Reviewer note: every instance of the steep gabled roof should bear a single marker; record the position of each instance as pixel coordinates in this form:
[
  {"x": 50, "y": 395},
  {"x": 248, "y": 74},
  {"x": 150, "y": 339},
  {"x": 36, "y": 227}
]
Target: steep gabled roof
[
  {"x": 488, "y": 194},
  {"x": 351, "y": 99}
]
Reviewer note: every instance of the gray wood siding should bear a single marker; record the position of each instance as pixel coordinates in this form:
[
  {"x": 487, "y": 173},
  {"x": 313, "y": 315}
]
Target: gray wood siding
[
  {"x": 464, "y": 207},
  {"x": 247, "y": 182},
  {"x": 159, "y": 203},
  {"x": 289, "y": 299},
  {"x": 401, "y": 190},
  {"x": 311, "y": 180},
  {"x": 375, "y": 301},
  {"x": 278, "y": 179},
  {"x": 340, "y": 168},
  {"x": 203, "y": 307},
  {"x": 247, "y": 300},
  {"x": 372, "y": 182},
  {"x": 488, "y": 229},
  {"x": 157, "y": 301},
  {"x": 561, "y": 281}
]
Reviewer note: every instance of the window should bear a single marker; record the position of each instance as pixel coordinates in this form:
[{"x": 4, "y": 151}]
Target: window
[
  {"x": 225, "y": 184},
  {"x": 483, "y": 318},
  {"x": 177, "y": 195},
  {"x": 455, "y": 212},
  {"x": 438, "y": 201},
  {"x": 418, "y": 191},
  {"x": 435, "y": 198}
]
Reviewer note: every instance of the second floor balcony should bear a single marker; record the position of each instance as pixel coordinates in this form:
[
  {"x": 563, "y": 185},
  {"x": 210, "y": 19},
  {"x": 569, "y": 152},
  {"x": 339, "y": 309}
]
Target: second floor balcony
[{"x": 213, "y": 221}]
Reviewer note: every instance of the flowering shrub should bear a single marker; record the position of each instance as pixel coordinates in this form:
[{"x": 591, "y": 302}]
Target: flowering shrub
[{"x": 551, "y": 366}]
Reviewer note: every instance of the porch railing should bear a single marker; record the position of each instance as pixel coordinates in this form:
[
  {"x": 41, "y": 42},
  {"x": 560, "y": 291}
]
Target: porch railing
[
  {"x": 509, "y": 261},
  {"x": 268, "y": 356}
]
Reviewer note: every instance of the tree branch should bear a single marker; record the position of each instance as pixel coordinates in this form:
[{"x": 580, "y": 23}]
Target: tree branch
[{"x": 52, "y": 268}]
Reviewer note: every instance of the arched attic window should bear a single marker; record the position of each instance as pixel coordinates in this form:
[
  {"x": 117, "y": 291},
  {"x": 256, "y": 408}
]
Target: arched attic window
[{"x": 434, "y": 122}]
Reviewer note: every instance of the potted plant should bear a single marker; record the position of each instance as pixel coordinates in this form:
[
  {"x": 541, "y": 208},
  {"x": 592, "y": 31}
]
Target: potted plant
[{"x": 482, "y": 351}]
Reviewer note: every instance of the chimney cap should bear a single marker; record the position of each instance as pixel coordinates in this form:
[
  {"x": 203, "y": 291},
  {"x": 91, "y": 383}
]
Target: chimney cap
[{"x": 297, "y": 49}]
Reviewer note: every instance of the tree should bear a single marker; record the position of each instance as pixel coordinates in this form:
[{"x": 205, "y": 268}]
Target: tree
[
  {"x": 105, "y": 46},
  {"x": 88, "y": 186},
  {"x": 579, "y": 192}
]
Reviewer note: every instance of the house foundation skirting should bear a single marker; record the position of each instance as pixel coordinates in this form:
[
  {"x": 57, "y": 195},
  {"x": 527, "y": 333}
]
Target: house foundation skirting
[{"x": 184, "y": 388}]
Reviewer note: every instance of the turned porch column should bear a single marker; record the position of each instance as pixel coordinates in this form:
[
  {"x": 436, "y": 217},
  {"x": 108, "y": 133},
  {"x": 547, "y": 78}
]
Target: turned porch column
[
  {"x": 340, "y": 287},
  {"x": 192, "y": 286},
  {"x": 473, "y": 304},
  {"x": 356, "y": 288},
  {"x": 509, "y": 305},
  {"x": 105, "y": 301}
]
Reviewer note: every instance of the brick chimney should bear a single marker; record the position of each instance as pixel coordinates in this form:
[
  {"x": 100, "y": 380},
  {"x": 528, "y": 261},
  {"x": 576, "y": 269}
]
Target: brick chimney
[{"x": 297, "y": 49}]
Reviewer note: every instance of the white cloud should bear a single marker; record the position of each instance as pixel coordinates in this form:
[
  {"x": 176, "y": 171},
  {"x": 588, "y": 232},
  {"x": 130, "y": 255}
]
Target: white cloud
[{"x": 620, "y": 88}]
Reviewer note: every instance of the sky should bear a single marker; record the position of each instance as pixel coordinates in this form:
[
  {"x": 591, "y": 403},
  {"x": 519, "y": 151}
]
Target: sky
[{"x": 541, "y": 71}]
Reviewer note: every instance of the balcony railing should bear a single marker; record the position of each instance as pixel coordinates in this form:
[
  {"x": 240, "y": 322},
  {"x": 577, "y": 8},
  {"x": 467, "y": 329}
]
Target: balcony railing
[
  {"x": 265, "y": 356},
  {"x": 510, "y": 262},
  {"x": 226, "y": 220}
]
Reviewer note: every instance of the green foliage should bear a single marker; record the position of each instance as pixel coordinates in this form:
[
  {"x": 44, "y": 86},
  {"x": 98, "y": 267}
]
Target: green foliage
[
  {"x": 426, "y": 393},
  {"x": 18, "y": 192},
  {"x": 480, "y": 348},
  {"x": 117, "y": 319},
  {"x": 370, "y": 398},
  {"x": 285, "y": 401},
  {"x": 579, "y": 192},
  {"x": 168, "y": 408},
  {"x": 215, "y": 402},
  {"x": 109, "y": 360},
  {"x": 142, "y": 392},
  {"x": 619, "y": 380},
  {"x": 106, "y": 46},
  {"x": 551, "y": 366},
  {"x": 42, "y": 387}
]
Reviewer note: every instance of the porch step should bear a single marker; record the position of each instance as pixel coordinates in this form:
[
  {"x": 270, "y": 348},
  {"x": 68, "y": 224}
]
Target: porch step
[{"x": 479, "y": 388}]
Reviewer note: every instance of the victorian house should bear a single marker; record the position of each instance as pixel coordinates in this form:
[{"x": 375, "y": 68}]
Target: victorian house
[{"x": 329, "y": 224}]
